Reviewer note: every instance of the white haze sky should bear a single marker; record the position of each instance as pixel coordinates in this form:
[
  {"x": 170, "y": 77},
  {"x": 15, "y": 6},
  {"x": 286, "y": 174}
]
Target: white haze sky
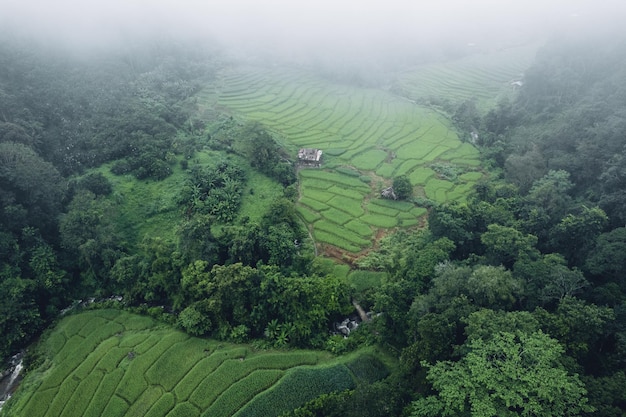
[{"x": 290, "y": 25}]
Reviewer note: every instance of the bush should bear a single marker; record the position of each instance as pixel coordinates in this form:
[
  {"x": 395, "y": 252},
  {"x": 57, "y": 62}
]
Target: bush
[
  {"x": 96, "y": 183},
  {"x": 194, "y": 322},
  {"x": 402, "y": 187},
  {"x": 121, "y": 167}
]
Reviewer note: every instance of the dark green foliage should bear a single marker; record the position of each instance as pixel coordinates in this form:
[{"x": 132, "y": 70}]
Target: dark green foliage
[
  {"x": 402, "y": 187},
  {"x": 379, "y": 399},
  {"x": 214, "y": 190},
  {"x": 19, "y": 314},
  {"x": 368, "y": 369},
  {"x": 96, "y": 183},
  {"x": 506, "y": 374},
  {"x": 608, "y": 260},
  {"x": 607, "y": 394},
  {"x": 581, "y": 327},
  {"x": 264, "y": 153},
  {"x": 256, "y": 144},
  {"x": 88, "y": 234},
  {"x": 30, "y": 189}
]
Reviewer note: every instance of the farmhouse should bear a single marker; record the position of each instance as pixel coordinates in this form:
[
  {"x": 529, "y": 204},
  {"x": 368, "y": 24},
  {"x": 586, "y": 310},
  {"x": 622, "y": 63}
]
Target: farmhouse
[
  {"x": 310, "y": 157},
  {"x": 389, "y": 193}
]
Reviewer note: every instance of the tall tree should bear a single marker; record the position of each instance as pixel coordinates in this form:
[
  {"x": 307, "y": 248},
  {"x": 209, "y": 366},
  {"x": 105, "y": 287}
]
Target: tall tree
[{"x": 507, "y": 374}]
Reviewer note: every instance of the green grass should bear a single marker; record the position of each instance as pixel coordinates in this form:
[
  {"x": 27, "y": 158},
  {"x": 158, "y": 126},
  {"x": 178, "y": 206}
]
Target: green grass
[
  {"x": 145, "y": 208},
  {"x": 359, "y": 227},
  {"x": 162, "y": 406},
  {"x": 369, "y": 160},
  {"x": 169, "y": 373},
  {"x": 347, "y": 204},
  {"x": 317, "y": 194},
  {"x": 333, "y": 239},
  {"x": 421, "y": 175},
  {"x": 471, "y": 176},
  {"x": 379, "y": 220},
  {"x": 362, "y": 280},
  {"x": 307, "y": 215},
  {"x": 258, "y": 195},
  {"x": 436, "y": 189},
  {"x": 375, "y": 208},
  {"x": 336, "y": 216},
  {"x": 313, "y": 204},
  {"x": 346, "y": 192},
  {"x": 348, "y": 235},
  {"x": 392, "y": 204}
]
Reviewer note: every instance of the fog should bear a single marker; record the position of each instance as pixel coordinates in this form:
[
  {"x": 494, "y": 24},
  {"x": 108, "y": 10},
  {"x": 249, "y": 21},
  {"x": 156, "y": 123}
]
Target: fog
[{"x": 324, "y": 29}]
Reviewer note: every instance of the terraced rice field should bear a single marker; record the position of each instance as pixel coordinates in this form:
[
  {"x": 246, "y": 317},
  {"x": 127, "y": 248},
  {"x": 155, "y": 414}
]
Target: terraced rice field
[
  {"x": 111, "y": 363},
  {"x": 484, "y": 77},
  {"x": 368, "y": 137}
]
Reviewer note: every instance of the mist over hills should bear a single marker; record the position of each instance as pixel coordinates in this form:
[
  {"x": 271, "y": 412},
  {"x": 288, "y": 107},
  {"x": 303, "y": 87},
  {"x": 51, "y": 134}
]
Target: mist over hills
[{"x": 368, "y": 32}]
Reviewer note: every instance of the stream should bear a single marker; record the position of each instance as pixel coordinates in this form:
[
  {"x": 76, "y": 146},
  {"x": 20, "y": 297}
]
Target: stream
[{"x": 10, "y": 379}]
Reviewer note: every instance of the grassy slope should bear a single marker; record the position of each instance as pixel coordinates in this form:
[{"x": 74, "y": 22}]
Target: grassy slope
[
  {"x": 147, "y": 208},
  {"x": 108, "y": 362}
]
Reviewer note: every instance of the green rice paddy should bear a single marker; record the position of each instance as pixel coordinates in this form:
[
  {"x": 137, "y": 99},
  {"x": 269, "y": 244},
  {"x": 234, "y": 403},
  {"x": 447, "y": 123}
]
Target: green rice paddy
[
  {"x": 484, "y": 77},
  {"x": 370, "y": 133},
  {"x": 112, "y": 363}
]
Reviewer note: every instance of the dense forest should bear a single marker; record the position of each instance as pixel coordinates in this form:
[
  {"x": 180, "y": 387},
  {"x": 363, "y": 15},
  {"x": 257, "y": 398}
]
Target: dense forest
[{"x": 513, "y": 303}]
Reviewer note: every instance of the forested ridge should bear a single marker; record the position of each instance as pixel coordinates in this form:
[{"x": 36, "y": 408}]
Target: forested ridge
[{"x": 511, "y": 303}]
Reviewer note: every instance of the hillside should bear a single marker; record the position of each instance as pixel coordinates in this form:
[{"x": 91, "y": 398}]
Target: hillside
[
  {"x": 368, "y": 138},
  {"x": 111, "y": 363}
]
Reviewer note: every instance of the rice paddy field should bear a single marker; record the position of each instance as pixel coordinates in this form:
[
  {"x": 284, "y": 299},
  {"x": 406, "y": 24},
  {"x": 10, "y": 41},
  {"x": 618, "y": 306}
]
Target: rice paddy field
[
  {"x": 484, "y": 77},
  {"x": 111, "y": 363},
  {"x": 368, "y": 136}
]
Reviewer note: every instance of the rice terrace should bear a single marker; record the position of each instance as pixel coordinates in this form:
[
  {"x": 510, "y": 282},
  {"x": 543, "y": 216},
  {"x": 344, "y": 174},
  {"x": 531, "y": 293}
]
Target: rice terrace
[
  {"x": 368, "y": 137},
  {"x": 112, "y": 363}
]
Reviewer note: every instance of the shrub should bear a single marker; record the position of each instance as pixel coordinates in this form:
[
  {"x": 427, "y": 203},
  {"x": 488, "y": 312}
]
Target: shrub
[
  {"x": 402, "y": 187},
  {"x": 121, "y": 167},
  {"x": 96, "y": 183}
]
